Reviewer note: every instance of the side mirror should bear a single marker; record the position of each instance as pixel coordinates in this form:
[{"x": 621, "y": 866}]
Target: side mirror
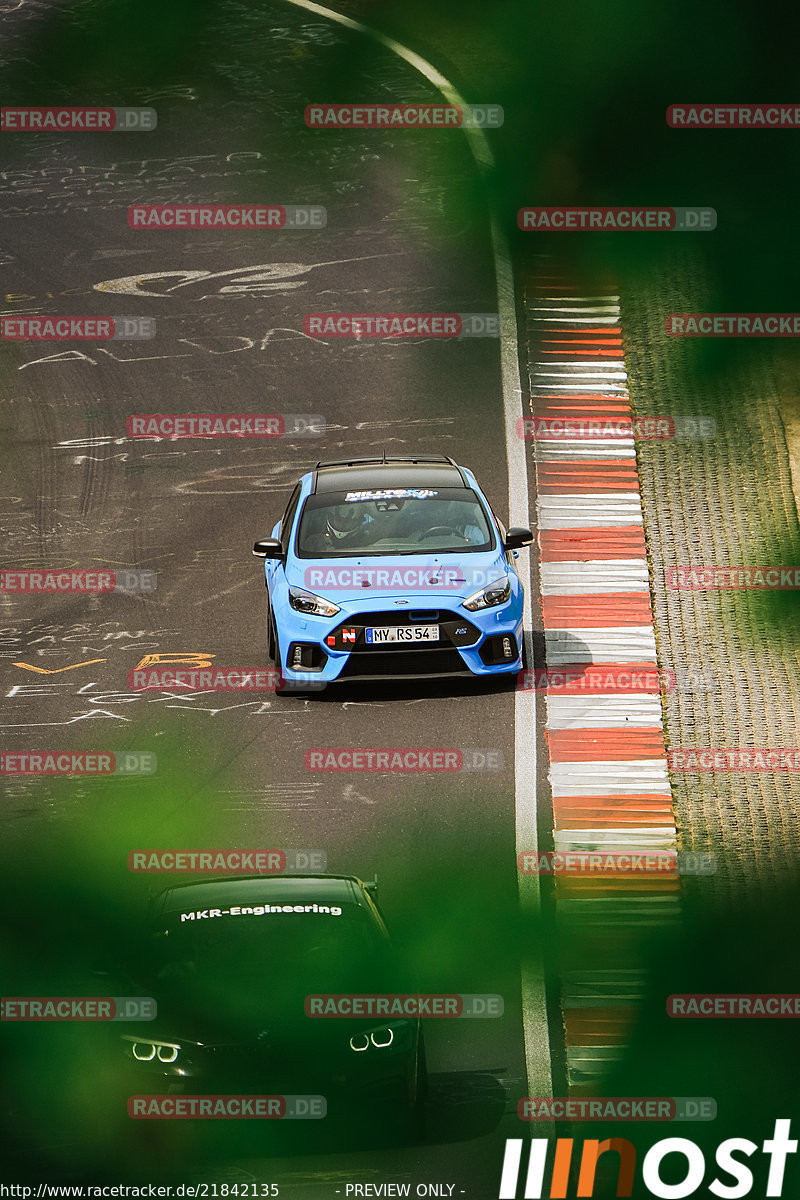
[
  {"x": 516, "y": 536},
  {"x": 268, "y": 548}
]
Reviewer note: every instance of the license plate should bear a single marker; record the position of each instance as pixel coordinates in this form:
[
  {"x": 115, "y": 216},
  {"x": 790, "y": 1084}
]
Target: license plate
[{"x": 403, "y": 633}]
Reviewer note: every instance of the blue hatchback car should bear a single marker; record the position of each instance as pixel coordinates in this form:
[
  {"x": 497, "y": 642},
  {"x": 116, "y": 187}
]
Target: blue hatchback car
[{"x": 390, "y": 568}]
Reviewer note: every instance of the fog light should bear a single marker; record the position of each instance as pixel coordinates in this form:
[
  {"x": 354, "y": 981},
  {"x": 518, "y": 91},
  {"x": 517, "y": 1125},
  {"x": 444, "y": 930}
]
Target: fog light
[{"x": 305, "y": 656}]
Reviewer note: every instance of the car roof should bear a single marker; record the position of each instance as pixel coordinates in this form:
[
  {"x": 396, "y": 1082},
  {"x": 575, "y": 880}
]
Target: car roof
[
  {"x": 253, "y": 889},
  {"x": 364, "y": 474}
]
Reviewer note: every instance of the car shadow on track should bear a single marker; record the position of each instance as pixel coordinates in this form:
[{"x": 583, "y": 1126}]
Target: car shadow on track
[
  {"x": 415, "y": 689},
  {"x": 463, "y": 1105}
]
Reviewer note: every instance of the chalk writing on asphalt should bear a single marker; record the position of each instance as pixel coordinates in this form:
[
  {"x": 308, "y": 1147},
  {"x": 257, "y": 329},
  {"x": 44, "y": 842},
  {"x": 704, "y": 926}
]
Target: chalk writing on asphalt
[{"x": 94, "y": 700}]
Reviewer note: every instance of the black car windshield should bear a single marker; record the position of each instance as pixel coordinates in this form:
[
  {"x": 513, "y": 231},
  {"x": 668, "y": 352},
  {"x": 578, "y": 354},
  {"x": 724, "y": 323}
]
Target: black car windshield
[
  {"x": 257, "y": 948},
  {"x": 393, "y": 521}
]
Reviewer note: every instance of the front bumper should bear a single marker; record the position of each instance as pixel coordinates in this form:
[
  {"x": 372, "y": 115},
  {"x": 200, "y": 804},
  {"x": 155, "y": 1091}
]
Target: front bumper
[
  {"x": 343, "y": 1077},
  {"x": 326, "y": 649}
]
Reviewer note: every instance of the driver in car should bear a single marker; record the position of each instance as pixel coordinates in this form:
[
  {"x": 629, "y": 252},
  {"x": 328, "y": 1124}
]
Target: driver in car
[
  {"x": 453, "y": 519},
  {"x": 473, "y": 535},
  {"x": 429, "y": 525},
  {"x": 346, "y": 526}
]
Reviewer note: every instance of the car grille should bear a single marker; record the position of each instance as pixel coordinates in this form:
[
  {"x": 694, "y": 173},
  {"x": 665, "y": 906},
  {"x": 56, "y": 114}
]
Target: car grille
[
  {"x": 455, "y": 631},
  {"x": 402, "y": 661},
  {"x": 408, "y": 616}
]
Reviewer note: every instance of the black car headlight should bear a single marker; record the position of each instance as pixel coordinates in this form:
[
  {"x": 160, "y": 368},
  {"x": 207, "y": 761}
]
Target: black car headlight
[
  {"x": 383, "y": 1037},
  {"x": 315, "y": 606},
  {"x": 148, "y": 1051},
  {"x": 489, "y": 596}
]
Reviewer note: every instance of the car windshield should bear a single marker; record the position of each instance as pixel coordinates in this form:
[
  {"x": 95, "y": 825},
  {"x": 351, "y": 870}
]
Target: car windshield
[
  {"x": 393, "y": 521},
  {"x": 258, "y": 947},
  {"x": 240, "y": 968}
]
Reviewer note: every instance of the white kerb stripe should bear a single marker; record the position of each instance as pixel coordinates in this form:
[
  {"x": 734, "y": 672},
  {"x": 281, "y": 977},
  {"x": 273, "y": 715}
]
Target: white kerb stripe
[
  {"x": 611, "y": 575},
  {"x": 555, "y": 449},
  {"x": 570, "y": 511},
  {"x": 620, "y": 644},
  {"x": 603, "y": 712},
  {"x": 647, "y": 776},
  {"x": 610, "y": 840}
]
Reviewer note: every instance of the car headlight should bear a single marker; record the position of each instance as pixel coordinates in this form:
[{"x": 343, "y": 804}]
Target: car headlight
[
  {"x": 143, "y": 1050},
  {"x": 489, "y": 596},
  {"x": 306, "y": 602},
  {"x": 384, "y": 1037}
]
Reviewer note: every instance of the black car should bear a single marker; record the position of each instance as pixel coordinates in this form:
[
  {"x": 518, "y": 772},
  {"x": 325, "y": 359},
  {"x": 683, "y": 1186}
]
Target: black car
[{"x": 232, "y": 962}]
